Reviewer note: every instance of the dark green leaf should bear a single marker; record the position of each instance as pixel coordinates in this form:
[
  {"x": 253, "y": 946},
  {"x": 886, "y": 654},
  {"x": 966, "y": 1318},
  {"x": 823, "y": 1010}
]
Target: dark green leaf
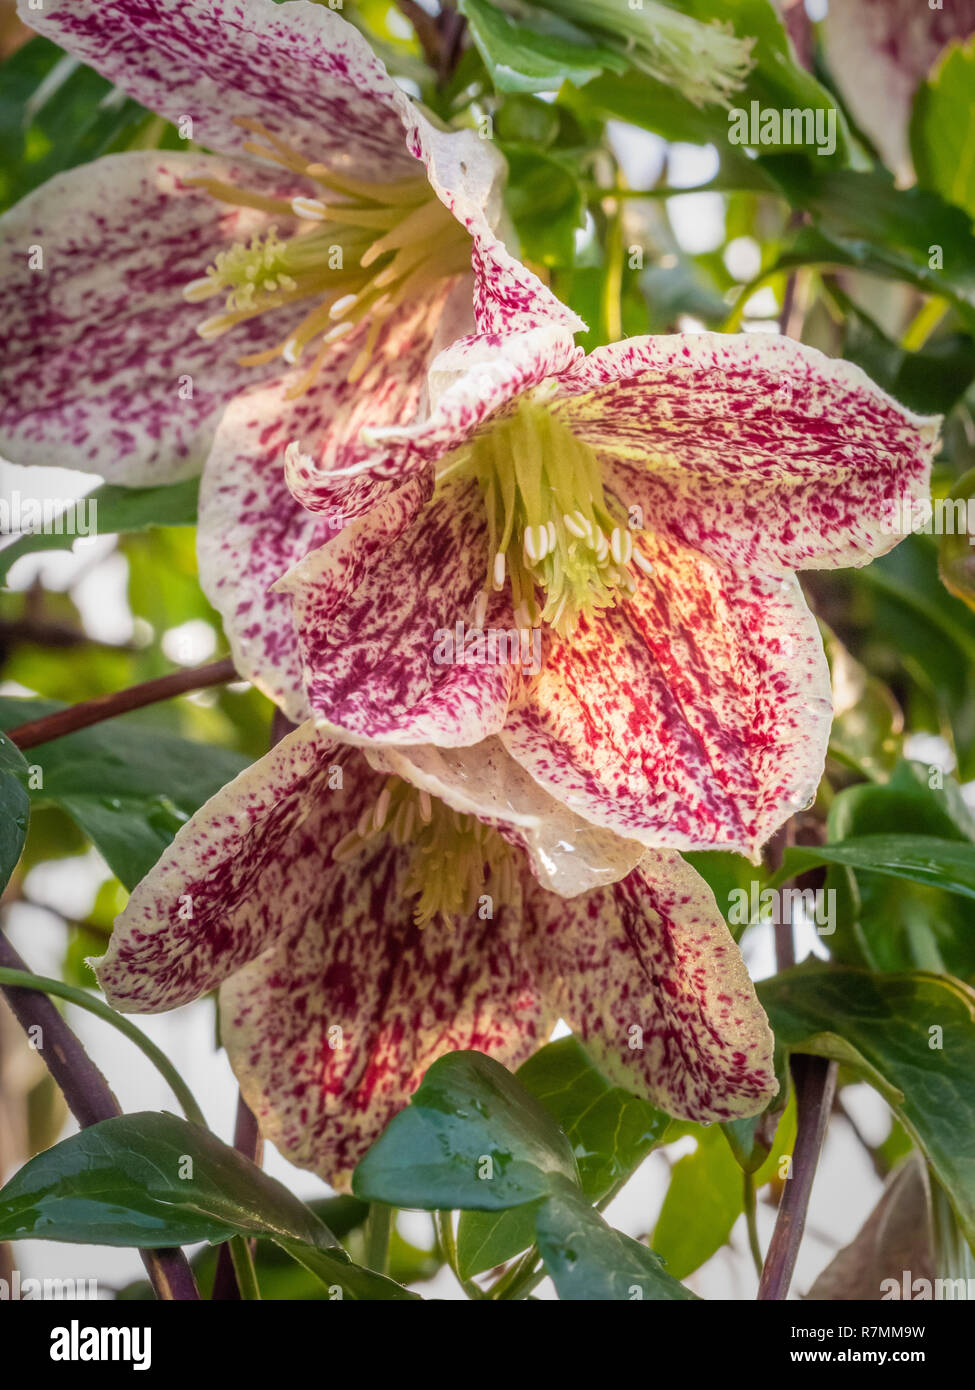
[
  {"x": 927, "y": 859},
  {"x": 610, "y": 1131},
  {"x": 130, "y": 791},
  {"x": 909, "y": 1035},
  {"x": 471, "y": 1137},
  {"x": 590, "y": 1262},
  {"x": 520, "y": 59},
  {"x": 14, "y": 808},
  {"x": 119, "y": 509}
]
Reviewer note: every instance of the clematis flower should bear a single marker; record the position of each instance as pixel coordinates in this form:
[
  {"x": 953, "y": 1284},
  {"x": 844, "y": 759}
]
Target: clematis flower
[
  {"x": 325, "y": 252},
  {"x": 644, "y": 508},
  {"x": 363, "y": 915},
  {"x": 879, "y": 52}
]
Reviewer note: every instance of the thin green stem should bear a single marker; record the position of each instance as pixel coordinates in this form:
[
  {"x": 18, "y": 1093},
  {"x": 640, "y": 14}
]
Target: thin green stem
[
  {"x": 240, "y": 1253},
  {"x": 443, "y": 1222},
  {"x": 517, "y": 1278},
  {"x": 379, "y": 1229},
  {"x": 21, "y": 979},
  {"x": 751, "y": 1219}
]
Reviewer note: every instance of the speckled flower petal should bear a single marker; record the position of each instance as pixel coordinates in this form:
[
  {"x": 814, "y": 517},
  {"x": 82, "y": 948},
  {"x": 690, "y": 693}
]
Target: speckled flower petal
[
  {"x": 694, "y": 716},
  {"x": 244, "y": 869},
  {"x": 331, "y": 1030},
  {"x": 376, "y": 611},
  {"x": 879, "y": 52},
  {"x": 101, "y": 366},
  {"x": 755, "y": 449},
  {"x": 252, "y": 530},
  {"x": 309, "y": 77},
  {"x": 567, "y": 854},
  {"x": 649, "y": 977},
  {"x": 473, "y": 379}
]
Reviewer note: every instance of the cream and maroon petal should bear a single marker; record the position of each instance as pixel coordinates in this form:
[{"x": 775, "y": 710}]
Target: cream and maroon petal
[
  {"x": 509, "y": 298},
  {"x": 693, "y": 716},
  {"x": 102, "y": 367},
  {"x": 246, "y": 868},
  {"x": 755, "y": 449},
  {"x": 649, "y": 977},
  {"x": 376, "y": 650},
  {"x": 471, "y": 380},
  {"x": 253, "y": 529},
  {"x": 879, "y": 52},
  {"x": 299, "y": 69},
  {"x": 567, "y": 854},
  {"x": 331, "y": 1030}
]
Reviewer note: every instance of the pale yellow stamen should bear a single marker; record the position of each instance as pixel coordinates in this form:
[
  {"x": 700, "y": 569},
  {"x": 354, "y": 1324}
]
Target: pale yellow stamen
[
  {"x": 357, "y": 256},
  {"x": 455, "y": 859}
]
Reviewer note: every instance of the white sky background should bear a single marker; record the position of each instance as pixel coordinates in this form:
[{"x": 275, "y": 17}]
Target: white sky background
[{"x": 846, "y": 1186}]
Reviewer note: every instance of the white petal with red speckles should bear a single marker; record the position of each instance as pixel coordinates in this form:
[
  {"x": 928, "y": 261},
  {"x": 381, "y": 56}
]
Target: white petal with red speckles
[
  {"x": 693, "y": 716},
  {"x": 241, "y": 871},
  {"x": 567, "y": 854},
  {"x": 755, "y": 449},
  {"x": 252, "y": 530},
  {"x": 378, "y": 667},
  {"x": 473, "y": 379},
  {"x": 102, "y": 368},
  {"x": 648, "y": 975},
  {"x": 331, "y": 1030}
]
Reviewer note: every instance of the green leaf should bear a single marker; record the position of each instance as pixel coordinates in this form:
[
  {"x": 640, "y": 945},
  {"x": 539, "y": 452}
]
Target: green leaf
[
  {"x": 128, "y": 787},
  {"x": 543, "y": 197},
  {"x": 471, "y": 1137},
  {"x": 152, "y": 1180},
  {"x": 113, "y": 510},
  {"x": 590, "y": 1262},
  {"x": 929, "y": 381},
  {"x": 886, "y": 1027},
  {"x": 927, "y": 859},
  {"x": 943, "y": 127},
  {"x": 520, "y": 59},
  {"x": 610, "y": 1131},
  {"x": 14, "y": 808}
]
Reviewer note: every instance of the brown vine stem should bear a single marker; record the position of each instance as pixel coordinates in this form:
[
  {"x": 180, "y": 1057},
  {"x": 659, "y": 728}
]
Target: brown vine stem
[
  {"x": 815, "y": 1081},
  {"x": 81, "y": 716},
  {"x": 90, "y": 1099},
  {"x": 247, "y": 1141}
]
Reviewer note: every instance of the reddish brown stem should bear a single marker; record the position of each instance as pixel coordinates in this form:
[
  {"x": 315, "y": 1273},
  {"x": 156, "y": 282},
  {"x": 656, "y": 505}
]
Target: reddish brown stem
[
  {"x": 90, "y": 1099},
  {"x": 815, "y": 1082},
  {"x": 247, "y": 1140},
  {"x": 81, "y": 716}
]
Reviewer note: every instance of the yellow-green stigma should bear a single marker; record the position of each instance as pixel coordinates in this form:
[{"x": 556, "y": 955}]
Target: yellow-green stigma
[
  {"x": 458, "y": 865},
  {"x": 360, "y": 253},
  {"x": 550, "y": 524}
]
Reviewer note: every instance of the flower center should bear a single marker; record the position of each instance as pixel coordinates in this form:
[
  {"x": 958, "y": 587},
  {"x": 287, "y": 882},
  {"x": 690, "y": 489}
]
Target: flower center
[
  {"x": 550, "y": 524},
  {"x": 456, "y": 859},
  {"x": 360, "y": 252}
]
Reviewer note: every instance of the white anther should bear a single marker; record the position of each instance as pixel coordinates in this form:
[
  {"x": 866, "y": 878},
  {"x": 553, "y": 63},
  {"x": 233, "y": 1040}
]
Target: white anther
[
  {"x": 200, "y": 289},
  {"x": 642, "y": 563},
  {"x": 480, "y": 609},
  {"x": 499, "y": 570},
  {"x": 364, "y": 826},
  {"x": 621, "y": 546},
  {"x": 552, "y": 536},
  {"x": 339, "y": 331},
  {"x": 342, "y": 305},
  {"x": 531, "y": 550},
  {"x": 381, "y": 809},
  {"x": 601, "y": 548},
  {"x": 309, "y": 207},
  {"x": 212, "y": 328},
  {"x": 575, "y": 527},
  {"x": 291, "y": 352},
  {"x": 426, "y": 807}
]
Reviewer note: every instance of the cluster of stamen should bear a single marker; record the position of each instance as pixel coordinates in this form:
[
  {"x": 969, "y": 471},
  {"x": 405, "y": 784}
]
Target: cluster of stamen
[
  {"x": 456, "y": 859},
  {"x": 360, "y": 252},
  {"x": 550, "y": 524}
]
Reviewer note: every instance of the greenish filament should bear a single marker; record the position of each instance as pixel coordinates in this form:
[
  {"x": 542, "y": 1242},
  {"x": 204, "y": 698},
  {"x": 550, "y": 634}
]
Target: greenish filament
[
  {"x": 550, "y": 524},
  {"x": 456, "y": 859}
]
